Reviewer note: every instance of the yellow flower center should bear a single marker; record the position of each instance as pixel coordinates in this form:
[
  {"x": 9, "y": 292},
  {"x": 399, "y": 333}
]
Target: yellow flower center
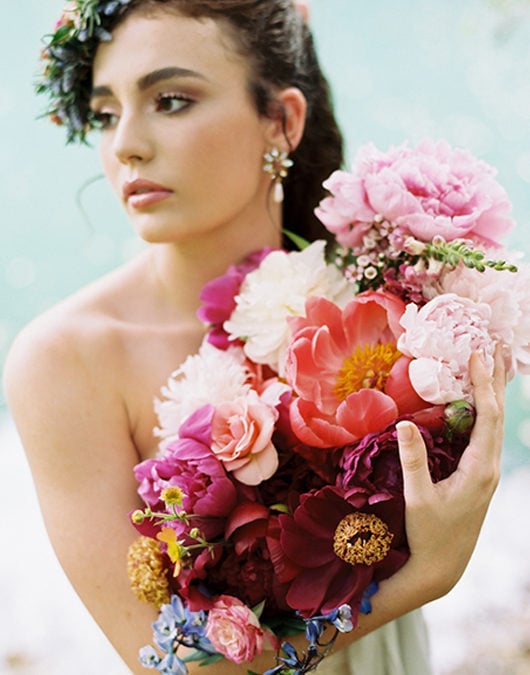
[
  {"x": 367, "y": 367},
  {"x": 172, "y": 495},
  {"x": 362, "y": 539}
]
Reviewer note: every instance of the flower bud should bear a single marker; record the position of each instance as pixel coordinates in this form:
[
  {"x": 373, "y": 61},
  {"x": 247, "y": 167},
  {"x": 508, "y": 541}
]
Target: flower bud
[
  {"x": 138, "y": 517},
  {"x": 459, "y": 417}
]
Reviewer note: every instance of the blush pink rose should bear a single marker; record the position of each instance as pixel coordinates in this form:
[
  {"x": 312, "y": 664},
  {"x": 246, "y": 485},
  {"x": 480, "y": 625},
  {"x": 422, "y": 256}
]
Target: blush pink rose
[
  {"x": 234, "y": 630},
  {"x": 425, "y": 191},
  {"x": 440, "y": 338},
  {"x": 242, "y": 438}
]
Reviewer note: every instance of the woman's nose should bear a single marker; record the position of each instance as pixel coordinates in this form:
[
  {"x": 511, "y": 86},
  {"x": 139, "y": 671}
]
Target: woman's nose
[{"x": 131, "y": 140}]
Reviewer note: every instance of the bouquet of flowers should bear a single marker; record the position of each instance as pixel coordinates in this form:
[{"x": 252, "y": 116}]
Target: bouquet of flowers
[{"x": 276, "y": 504}]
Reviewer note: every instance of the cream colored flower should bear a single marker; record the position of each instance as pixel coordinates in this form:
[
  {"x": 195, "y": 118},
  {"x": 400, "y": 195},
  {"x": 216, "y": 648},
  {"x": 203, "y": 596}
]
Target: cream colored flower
[{"x": 276, "y": 290}]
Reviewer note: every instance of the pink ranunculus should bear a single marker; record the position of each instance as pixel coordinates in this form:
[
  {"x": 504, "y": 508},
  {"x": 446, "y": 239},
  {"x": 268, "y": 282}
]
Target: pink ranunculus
[
  {"x": 425, "y": 191},
  {"x": 234, "y": 630},
  {"x": 242, "y": 438},
  {"x": 440, "y": 338},
  {"x": 346, "y": 370}
]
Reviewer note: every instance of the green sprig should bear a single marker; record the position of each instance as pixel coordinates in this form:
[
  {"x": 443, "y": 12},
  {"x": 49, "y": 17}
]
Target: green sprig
[{"x": 452, "y": 253}]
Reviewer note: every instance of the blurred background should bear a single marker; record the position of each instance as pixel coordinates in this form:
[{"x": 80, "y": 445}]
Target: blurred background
[{"x": 399, "y": 71}]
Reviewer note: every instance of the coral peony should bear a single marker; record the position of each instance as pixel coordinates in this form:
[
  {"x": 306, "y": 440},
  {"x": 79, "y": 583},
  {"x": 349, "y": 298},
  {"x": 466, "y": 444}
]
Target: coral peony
[{"x": 347, "y": 371}]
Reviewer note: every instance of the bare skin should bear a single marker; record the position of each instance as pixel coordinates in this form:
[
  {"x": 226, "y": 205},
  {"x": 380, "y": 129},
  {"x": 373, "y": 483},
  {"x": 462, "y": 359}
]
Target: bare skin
[{"x": 81, "y": 379}]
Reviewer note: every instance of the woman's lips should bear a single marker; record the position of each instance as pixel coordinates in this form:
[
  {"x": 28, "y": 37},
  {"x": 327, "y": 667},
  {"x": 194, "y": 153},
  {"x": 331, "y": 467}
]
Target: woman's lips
[{"x": 141, "y": 193}]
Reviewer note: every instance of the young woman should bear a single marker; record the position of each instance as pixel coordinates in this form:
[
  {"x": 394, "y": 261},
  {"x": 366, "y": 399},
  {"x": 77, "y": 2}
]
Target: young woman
[{"x": 189, "y": 96}]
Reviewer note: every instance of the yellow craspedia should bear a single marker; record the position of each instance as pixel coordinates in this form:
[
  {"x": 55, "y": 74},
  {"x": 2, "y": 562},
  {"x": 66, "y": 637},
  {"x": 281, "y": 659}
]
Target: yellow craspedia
[{"x": 147, "y": 573}]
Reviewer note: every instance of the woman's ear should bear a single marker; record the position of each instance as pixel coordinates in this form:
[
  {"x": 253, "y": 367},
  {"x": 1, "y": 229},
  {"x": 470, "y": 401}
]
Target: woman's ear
[{"x": 287, "y": 121}]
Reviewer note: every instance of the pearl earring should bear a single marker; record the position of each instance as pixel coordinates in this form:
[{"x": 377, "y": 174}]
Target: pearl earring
[{"x": 277, "y": 165}]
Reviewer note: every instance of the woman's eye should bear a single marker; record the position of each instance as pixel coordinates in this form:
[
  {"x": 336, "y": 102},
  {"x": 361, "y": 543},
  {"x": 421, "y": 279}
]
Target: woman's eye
[
  {"x": 172, "y": 103},
  {"x": 104, "y": 120}
]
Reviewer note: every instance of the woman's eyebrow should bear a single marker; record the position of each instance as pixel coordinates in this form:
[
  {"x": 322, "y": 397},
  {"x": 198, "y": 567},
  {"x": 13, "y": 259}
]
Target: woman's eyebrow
[{"x": 151, "y": 78}]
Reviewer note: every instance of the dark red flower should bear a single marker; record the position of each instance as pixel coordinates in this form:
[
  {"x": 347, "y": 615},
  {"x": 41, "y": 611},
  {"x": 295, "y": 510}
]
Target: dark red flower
[
  {"x": 372, "y": 545},
  {"x": 371, "y": 470}
]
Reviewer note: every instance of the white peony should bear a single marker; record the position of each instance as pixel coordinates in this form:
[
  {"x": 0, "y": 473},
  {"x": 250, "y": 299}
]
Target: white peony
[
  {"x": 277, "y": 289},
  {"x": 211, "y": 376}
]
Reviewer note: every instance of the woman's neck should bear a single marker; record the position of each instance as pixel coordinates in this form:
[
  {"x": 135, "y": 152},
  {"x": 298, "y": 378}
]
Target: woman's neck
[{"x": 182, "y": 269}]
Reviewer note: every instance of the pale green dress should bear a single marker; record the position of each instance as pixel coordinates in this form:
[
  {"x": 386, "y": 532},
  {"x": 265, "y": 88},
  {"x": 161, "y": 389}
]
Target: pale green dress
[{"x": 401, "y": 647}]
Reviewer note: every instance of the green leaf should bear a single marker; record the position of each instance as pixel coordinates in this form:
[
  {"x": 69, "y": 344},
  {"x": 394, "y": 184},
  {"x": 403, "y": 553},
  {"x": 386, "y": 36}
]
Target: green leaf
[
  {"x": 297, "y": 240},
  {"x": 203, "y": 658}
]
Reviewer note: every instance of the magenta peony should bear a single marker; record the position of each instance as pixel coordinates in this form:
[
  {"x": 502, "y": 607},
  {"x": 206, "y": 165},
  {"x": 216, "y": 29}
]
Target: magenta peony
[
  {"x": 346, "y": 370},
  {"x": 189, "y": 464},
  {"x": 219, "y": 297}
]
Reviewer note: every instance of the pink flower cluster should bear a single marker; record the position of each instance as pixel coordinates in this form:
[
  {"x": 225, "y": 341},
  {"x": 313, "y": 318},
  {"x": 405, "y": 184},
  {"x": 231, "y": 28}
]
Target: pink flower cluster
[
  {"x": 427, "y": 191},
  {"x": 286, "y": 464}
]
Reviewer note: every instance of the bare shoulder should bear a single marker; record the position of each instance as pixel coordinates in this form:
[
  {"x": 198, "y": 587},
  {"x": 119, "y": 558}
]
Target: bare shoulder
[{"x": 60, "y": 345}]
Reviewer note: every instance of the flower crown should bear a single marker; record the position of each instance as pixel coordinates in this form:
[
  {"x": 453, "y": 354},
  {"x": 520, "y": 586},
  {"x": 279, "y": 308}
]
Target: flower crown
[{"x": 68, "y": 56}]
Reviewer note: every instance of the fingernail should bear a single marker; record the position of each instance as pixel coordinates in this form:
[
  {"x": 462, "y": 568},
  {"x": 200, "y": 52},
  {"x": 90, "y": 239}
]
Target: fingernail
[{"x": 404, "y": 432}]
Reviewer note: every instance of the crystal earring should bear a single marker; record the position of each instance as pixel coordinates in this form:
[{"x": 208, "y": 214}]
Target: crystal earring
[{"x": 277, "y": 165}]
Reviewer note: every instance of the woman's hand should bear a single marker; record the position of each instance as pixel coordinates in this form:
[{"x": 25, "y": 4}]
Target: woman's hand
[{"x": 443, "y": 520}]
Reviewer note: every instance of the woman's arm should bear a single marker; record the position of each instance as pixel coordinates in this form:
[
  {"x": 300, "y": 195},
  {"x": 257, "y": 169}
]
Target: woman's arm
[{"x": 74, "y": 428}]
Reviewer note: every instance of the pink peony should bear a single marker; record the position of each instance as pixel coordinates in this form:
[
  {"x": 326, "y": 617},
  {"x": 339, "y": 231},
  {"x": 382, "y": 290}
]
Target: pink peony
[
  {"x": 425, "y": 191},
  {"x": 440, "y": 338},
  {"x": 242, "y": 438},
  {"x": 508, "y": 295},
  {"x": 345, "y": 367},
  {"x": 234, "y": 630}
]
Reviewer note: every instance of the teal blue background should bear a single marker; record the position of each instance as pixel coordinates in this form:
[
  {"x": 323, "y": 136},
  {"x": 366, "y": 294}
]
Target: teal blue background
[{"x": 399, "y": 70}]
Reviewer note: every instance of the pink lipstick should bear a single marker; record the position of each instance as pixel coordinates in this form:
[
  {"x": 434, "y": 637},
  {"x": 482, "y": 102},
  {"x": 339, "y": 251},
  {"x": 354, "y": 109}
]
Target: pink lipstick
[{"x": 141, "y": 194}]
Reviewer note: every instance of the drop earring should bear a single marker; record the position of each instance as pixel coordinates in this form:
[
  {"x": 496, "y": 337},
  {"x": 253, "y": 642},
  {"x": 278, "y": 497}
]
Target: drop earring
[{"x": 277, "y": 165}]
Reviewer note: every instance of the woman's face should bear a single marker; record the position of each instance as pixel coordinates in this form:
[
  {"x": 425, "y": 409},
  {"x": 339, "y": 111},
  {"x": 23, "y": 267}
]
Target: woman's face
[{"x": 182, "y": 142}]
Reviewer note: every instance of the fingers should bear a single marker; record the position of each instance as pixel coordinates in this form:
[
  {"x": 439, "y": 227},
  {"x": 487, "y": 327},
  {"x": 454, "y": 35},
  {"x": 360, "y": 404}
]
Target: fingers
[
  {"x": 481, "y": 459},
  {"x": 417, "y": 481}
]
